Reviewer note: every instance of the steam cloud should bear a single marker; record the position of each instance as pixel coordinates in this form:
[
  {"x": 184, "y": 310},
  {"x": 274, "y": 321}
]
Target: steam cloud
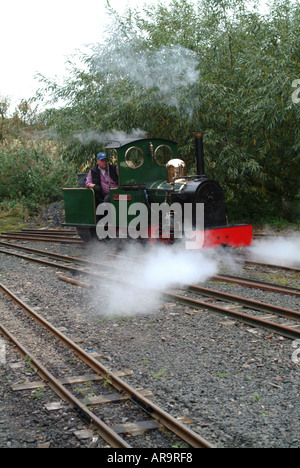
[
  {"x": 141, "y": 274},
  {"x": 283, "y": 251},
  {"x": 88, "y": 136},
  {"x": 168, "y": 70}
]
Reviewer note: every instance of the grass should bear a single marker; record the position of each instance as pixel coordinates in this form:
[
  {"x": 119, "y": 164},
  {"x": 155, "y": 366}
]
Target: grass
[
  {"x": 277, "y": 224},
  {"x": 11, "y": 223},
  {"x": 13, "y": 216},
  {"x": 160, "y": 374}
]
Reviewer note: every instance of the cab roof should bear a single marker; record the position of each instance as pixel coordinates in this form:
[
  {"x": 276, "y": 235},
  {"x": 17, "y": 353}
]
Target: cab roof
[{"x": 118, "y": 144}]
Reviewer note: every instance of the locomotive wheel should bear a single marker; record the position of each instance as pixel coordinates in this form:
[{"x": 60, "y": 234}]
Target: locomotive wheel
[{"x": 86, "y": 234}]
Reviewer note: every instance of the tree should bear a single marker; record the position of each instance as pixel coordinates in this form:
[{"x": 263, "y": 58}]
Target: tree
[
  {"x": 25, "y": 112},
  {"x": 4, "y": 106},
  {"x": 216, "y": 65}
]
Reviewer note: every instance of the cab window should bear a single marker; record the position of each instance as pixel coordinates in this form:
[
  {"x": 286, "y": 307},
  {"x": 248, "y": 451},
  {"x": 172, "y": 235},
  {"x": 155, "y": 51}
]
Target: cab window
[
  {"x": 163, "y": 154},
  {"x": 134, "y": 157}
]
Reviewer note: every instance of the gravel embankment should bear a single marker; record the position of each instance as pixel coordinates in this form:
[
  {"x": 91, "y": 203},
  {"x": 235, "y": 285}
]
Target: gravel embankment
[{"x": 239, "y": 384}]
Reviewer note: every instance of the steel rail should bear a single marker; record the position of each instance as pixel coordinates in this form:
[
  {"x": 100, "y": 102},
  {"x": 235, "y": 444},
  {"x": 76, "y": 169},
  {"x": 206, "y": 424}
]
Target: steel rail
[
  {"x": 250, "y": 303},
  {"x": 66, "y": 258},
  {"x": 60, "y": 232},
  {"x": 59, "y": 266},
  {"x": 289, "y": 332},
  {"x": 45, "y": 233},
  {"x": 220, "y": 278},
  {"x": 248, "y": 260},
  {"x": 248, "y": 283},
  {"x": 42, "y": 239},
  {"x": 103, "y": 430},
  {"x": 250, "y": 320},
  {"x": 271, "y": 265},
  {"x": 47, "y": 263},
  {"x": 185, "y": 433}
]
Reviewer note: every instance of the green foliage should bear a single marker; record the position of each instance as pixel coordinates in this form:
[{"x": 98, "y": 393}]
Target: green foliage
[
  {"x": 217, "y": 65},
  {"x": 4, "y": 106},
  {"x": 33, "y": 174}
]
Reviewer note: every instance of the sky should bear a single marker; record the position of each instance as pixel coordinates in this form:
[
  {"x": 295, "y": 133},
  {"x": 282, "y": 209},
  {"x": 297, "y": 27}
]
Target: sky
[{"x": 38, "y": 37}]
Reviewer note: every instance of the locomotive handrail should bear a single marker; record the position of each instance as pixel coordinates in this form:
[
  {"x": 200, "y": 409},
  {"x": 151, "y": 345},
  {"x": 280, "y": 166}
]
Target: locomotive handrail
[{"x": 194, "y": 176}]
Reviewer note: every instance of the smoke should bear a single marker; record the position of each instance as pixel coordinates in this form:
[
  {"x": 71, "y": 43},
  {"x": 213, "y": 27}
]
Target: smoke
[
  {"x": 168, "y": 71},
  {"x": 283, "y": 251},
  {"x": 89, "y": 136},
  {"x": 141, "y": 274},
  {"x": 168, "y": 68},
  {"x": 160, "y": 76}
]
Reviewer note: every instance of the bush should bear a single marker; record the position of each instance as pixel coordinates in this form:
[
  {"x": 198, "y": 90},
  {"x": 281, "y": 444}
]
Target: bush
[{"x": 33, "y": 172}]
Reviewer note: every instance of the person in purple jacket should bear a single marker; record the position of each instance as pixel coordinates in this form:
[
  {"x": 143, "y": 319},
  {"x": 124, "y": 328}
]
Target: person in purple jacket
[{"x": 102, "y": 178}]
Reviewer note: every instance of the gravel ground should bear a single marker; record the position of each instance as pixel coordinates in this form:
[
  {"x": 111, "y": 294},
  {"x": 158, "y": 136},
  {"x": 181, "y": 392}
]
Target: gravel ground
[{"x": 239, "y": 384}]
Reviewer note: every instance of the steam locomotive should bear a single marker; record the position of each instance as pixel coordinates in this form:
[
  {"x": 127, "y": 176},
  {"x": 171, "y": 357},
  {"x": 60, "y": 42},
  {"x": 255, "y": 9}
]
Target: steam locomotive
[{"x": 151, "y": 175}]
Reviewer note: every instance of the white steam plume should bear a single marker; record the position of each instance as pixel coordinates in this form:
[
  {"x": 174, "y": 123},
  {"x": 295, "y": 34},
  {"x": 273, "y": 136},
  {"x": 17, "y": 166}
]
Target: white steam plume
[
  {"x": 168, "y": 70},
  {"x": 283, "y": 251},
  {"x": 88, "y": 136},
  {"x": 140, "y": 281}
]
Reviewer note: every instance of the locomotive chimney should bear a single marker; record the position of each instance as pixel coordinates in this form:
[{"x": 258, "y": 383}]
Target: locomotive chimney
[{"x": 199, "y": 152}]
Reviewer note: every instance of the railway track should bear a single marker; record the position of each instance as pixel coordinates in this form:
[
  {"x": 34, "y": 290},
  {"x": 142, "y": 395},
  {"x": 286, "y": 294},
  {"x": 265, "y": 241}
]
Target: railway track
[
  {"x": 67, "y": 236},
  {"x": 248, "y": 261},
  {"x": 81, "y": 270},
  {"x": 157, "y": 418},
  {"x": 249, "y": 316},
  {"x": 39, "y": 235}
]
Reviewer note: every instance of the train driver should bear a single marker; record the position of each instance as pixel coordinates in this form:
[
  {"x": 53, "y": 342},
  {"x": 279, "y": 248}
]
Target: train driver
[{"x": 102, "y": 178}]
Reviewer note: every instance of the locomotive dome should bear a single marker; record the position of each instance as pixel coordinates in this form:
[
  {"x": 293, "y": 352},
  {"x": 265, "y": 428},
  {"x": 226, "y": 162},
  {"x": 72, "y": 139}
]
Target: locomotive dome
[{"x": 176, "y": 169}]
